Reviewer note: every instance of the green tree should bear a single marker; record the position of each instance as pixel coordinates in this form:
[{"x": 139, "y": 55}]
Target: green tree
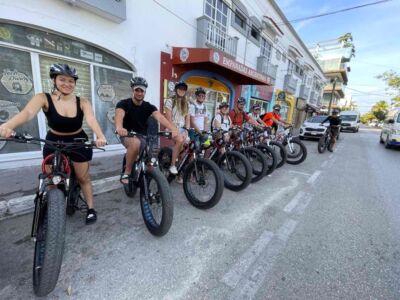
[
  {"x": 392, "y": 80},
  {"x": 380, "y": 110},
  {"x": 367, "y": 118}
]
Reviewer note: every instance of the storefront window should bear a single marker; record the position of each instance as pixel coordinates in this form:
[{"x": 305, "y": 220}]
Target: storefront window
[
  {"x": 263, "y": 104},
  {"x": 16, "y": 89},
  {"x": 110, "y": 87},
  {"x": 82, "y": 88},
  {"x": 284, "y": 111}
]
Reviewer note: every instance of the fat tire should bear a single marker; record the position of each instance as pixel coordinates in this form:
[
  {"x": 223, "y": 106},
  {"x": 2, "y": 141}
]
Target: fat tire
[
  {"x": 164, "y": 161},
  {"x": 303, "y": 155},
  {"x": 270, "y": 156},
  {"x": 282, "y": 155},
  {"x": 257, "y": 175},
  {"x": 246, "y": 180},
  {"x": 49, "y": 252},
  {"x": 212, "y": 166},
  {"x": 130, "y": 188},
  {"x": 166, "y": 203},
  {"x": 73, "y": 197}
]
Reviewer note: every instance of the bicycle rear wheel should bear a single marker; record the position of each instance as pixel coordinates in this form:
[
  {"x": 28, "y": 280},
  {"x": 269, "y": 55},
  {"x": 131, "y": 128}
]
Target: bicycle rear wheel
[
  {"x": 73, "y": 196},
  {"x": 49, "y": 245},
  {"x": 280, "y": 152},
  {"x": 164, "y": 161},
  {"x": 258, "y": 162},
  {"x": 156, "y": 202}
]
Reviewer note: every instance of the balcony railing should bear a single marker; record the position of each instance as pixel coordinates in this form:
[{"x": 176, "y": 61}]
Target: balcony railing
[
  {"x": 265, "y": 67},
  {"x": 290, "y": 84},
  {"x": 304, "y": 91},
  {"x": 211, "y": 36}
]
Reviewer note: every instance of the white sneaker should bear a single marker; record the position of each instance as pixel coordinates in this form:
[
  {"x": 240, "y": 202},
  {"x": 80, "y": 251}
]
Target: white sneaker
[{"x": 173, "y": 170}]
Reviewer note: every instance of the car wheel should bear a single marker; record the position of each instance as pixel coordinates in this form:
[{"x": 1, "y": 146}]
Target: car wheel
[
  {"x": 302, "y": 137},
  {"x": 387, "y": 146}
]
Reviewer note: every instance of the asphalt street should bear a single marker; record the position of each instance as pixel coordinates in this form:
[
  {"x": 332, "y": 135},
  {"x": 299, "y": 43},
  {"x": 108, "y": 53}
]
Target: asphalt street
[{"x": 328, "y": 228}]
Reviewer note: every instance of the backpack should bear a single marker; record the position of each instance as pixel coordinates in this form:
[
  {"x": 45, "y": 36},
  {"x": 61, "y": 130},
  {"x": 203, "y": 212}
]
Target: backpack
[{"x": 222, "y": 118}]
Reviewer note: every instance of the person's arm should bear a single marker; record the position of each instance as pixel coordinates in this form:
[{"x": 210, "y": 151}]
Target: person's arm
[
  {"x": 205, "y": 123},
  {"x": 217, "y": 123},
  {"x": 326, "y": 119},
  {"x": 164, "y": 122},
  {"x": 168, "y": 110},
  {"x": 187, "y": 121},
  {"x": 118, "y": 119},
  {"x": 27, "y": 114},
  {"x": 92, "y": 122}
]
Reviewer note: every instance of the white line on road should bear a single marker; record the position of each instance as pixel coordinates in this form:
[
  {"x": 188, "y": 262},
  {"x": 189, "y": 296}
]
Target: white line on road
[
  {"x": 303, "y": 205},
  {"x": 324, "y": 164},
  {"x": 330, "y": 156},
  {"x": 298, "y": 172},
  {"x": 314, "y": 177},
  {"x": 248, "y": 287},
  {"x": 293, "y": 203},
  {"x": 233, "y": 276}
]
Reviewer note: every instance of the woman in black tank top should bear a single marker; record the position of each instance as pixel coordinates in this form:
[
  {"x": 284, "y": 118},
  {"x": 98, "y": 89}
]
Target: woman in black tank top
[{"x": 64, "y": 112}]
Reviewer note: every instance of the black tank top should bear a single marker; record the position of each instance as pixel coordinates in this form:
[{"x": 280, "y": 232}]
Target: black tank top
[{"x": 60, "y": 123}]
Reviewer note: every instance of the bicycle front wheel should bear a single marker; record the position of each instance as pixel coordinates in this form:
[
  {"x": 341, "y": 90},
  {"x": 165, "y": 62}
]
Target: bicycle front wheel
[
  {"x": 270, "y": 156},
  {"x": 322, "y": 144},
  {"x": 203, "y": 183},
  {"x": 236, "y": 169},
  {"x": 156, "y": 202},
  {"x": 49, "y": 245},
  {"x": 280, "y": 152},
  {"x": 258, "y": 162}
]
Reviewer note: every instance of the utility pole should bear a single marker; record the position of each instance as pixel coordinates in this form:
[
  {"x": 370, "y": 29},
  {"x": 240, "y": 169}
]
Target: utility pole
[{"x": 333, "y": 81}]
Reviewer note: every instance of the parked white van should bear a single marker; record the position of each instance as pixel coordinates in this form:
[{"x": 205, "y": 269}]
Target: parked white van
[
  {"x": 350, "y": 120},
  {"x": 390, "y": 134}
]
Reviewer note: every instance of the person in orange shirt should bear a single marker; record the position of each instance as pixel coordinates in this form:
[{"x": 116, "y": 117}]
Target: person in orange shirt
[
  {"x": 273, "y": 118},
  {"x": 239, "y": 116}
]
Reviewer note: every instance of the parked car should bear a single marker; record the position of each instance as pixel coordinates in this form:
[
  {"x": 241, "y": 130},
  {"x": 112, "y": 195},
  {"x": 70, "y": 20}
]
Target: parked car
[
  {"x": 313, "y": 129},
  {"x": 390, "y": 133},
  {"x": 350, "y": 120}
]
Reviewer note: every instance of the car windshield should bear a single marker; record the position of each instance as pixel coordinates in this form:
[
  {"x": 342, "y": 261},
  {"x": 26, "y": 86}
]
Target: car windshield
[
  {"x": 348, "y": 117},
  {"x": 317, "y": 119}
]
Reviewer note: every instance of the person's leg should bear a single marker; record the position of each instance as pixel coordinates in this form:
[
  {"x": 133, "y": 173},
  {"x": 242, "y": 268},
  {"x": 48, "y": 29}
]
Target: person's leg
[
  {"x": 132, "y": 151},
  {"x": 175, "y": 152}
]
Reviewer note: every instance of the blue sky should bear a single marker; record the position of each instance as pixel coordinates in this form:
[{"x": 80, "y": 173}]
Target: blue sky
[{"x": 376, "y": 35}]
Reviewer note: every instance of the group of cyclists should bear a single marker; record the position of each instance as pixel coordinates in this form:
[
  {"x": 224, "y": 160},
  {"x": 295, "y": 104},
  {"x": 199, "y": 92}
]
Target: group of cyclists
[{"x": 65, "y": 113}]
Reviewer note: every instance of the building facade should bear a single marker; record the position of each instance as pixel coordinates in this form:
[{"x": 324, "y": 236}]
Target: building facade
[
  {"x": 231, "y": 48},
  {"x": 334, "y": 57}
]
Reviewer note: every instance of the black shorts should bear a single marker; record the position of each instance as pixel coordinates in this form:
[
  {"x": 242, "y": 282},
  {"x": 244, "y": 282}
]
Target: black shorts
[{"x": 81, "y": 154}]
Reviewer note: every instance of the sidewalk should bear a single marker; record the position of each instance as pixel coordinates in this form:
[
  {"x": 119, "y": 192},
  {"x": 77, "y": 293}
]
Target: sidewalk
[{"x": 18, "y": 185}]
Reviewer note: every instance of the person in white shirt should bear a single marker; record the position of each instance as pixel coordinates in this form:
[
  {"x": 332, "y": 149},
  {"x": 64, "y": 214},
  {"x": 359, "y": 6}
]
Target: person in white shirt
[
  {"x": 198, "y": 111},
  {"x": 255, "y": 114},
  {"x": 176, "y": 111},
  {"x": 222, "y": 119}
]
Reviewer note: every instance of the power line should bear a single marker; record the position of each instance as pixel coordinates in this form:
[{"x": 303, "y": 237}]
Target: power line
[{"x": 334, "y": 12}]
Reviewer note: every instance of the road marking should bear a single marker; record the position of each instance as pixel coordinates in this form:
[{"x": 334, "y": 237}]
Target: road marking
[
  {"x": 249, "y": 286},
  {"x": 293, "y": 203},
  {"x": 298, "y": 172},
  {"x": 330, "y": 156},
  {"x": 233, "y": 276},
  {"x": 324, "y": 164},
  {"x": 314, "y": 177},
  {"x": 303, "y": 205}
]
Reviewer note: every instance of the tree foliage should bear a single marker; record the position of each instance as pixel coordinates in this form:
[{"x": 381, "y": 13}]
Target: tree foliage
[
  {"x": 367, "y": 118},
  {"x": 392, "y": 80},
  {"x": 380, "y": 110}
]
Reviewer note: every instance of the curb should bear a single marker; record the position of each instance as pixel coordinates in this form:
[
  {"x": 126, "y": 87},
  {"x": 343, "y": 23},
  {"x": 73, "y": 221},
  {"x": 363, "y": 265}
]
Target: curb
[{"x": 23, "y": 205}]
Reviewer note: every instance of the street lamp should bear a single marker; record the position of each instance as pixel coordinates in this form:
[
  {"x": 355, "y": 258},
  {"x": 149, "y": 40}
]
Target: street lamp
[{"x": 333, "y": 81}]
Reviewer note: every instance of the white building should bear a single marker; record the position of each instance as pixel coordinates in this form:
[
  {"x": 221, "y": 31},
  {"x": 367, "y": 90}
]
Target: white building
[{"x": 231, "y": 48}]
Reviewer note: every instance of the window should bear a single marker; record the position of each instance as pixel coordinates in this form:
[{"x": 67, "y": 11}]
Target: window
[
  {"x": 110, "y": 86},
  {"x": 16, "y": 89},
  {"x": 240, "y": 20},
  {"x": 255, "y": 33},
  {"x": 217, "y": 11},
  {"x": 278, "y": 55},
  {"x": 265, "y": 48}
]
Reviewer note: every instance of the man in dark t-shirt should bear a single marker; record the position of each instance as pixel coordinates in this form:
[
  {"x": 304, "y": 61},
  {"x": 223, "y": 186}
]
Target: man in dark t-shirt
[{"x": 131, "y": 115}]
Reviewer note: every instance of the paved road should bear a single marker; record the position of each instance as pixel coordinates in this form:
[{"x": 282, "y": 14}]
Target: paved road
[{"x": 326, "y": 229}]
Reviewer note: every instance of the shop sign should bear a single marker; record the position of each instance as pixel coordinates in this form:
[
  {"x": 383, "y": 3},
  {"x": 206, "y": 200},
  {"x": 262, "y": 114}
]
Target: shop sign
[
  {"x": 8, "y": 110},
  {"x": 241, "y": 68},
  {"x": 111, "y": 115},
  {"x": 16, "y": 82},
  {"x": 184, "y": 54},
  {"x": 106, "y": 92}
]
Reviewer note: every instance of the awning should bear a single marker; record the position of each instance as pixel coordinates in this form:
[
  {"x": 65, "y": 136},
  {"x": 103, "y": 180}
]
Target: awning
[
  {"x": 312, "y": 107},
  {"x": 216, "y": 61}
]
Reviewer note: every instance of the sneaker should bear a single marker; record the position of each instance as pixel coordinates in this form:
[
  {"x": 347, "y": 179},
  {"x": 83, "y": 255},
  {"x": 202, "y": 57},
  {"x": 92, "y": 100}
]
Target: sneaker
[
  {"x": 91, "y": 216},
  {"x": 179, "y": 179},
  {"x": 173, "y": 170}
]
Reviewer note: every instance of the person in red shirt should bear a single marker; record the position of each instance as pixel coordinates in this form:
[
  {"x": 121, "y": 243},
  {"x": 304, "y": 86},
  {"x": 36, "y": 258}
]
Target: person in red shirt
[
  {"x": 239, "y": 116},
  {"x": 273, "y": 118}
]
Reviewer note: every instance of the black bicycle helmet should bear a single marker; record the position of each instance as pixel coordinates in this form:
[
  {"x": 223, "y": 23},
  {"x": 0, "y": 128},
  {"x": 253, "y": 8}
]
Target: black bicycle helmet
[
  {"x": 335, "y": 112},
  {"x": 276, "y": 107},
  {"x": 138, "y": 81},
  {"x": 63, "y": 69},
  {"x": 223, "y": 104},
  {"x": 241, "y": 100},
  {"x": 199, "y": 91},
  {"x": 181, "y": 85},
  {"x": 256, "y": 106}
]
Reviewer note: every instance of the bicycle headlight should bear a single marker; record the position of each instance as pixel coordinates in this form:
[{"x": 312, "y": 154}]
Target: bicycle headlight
[{"x": 56, "y": 179}]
